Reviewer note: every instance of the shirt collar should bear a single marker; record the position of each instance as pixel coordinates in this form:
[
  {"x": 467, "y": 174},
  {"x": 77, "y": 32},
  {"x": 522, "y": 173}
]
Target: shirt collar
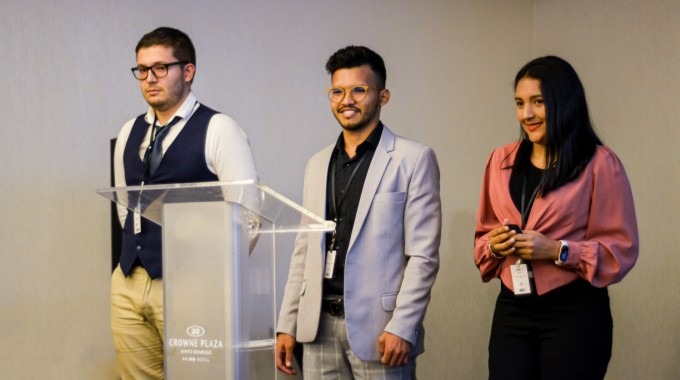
[
  {"x": 184, "y": 111},
  {"x": 371, "y": 141}
]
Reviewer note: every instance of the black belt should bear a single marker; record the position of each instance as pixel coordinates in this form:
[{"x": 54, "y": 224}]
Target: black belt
[{"x": 334, "y": 306}]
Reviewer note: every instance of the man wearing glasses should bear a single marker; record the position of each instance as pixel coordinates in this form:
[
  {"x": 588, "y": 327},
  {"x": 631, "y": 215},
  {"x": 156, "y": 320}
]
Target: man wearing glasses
[
  {"x": 178, "y": 140},
  {"x": 357, "y": 297}
]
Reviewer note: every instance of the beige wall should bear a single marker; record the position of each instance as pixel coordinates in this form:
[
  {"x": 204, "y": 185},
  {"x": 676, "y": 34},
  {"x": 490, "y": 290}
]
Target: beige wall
[{"x": 67, "y": 91}]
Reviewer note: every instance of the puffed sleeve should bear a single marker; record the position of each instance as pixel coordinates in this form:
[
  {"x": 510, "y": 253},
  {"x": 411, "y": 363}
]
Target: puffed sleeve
[
  {"x": 489, "y": 266},
  {"x": 611, "y": 244}
]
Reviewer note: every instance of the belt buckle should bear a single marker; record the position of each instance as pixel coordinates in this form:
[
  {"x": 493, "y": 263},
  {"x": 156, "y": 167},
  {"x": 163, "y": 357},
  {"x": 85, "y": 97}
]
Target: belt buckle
[{"x": 336, "y": 307}]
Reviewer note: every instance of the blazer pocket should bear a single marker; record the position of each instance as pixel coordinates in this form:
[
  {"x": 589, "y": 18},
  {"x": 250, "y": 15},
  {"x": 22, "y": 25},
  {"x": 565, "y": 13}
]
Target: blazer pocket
[
  {"x": 399, "y": 197},
  {"x": 303, "y": 287},
  {"x": 389, "y": 301}
]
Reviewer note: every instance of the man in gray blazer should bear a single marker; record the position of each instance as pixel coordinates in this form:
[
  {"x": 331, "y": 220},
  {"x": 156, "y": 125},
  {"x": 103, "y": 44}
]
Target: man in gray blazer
[{"x": 357, "y": 297}]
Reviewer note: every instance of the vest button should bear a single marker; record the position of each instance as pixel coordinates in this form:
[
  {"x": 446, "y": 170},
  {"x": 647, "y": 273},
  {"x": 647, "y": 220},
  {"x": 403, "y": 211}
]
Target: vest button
[{"x": 139, "y": 247}]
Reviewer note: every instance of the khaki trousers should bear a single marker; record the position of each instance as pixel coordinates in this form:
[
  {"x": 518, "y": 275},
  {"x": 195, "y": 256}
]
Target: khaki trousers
[{"x": 137, "y": 324}]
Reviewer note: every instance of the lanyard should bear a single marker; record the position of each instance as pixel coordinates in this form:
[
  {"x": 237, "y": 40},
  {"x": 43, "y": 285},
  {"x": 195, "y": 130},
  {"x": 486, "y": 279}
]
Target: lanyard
[
  {"x": 152, "y": 140},
  {"x": 526, "y": 206},
  {"x": 336, "y": 203},
  {"x": 154, "y": 133}
]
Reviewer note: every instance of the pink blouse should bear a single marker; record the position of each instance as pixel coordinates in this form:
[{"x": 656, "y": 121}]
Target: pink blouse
[{"x": 594, "y": 213}]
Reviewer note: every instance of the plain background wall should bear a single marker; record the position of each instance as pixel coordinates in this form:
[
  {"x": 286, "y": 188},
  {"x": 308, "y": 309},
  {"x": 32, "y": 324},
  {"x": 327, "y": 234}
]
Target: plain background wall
[{"x": 68, "y": 90}]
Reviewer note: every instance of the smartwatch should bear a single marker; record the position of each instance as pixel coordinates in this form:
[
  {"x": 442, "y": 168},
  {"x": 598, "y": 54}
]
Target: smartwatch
[{"x": 564, "y": 253}]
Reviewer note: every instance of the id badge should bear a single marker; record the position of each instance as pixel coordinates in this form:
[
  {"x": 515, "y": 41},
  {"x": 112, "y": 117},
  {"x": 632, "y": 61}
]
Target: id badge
[
  {"x": 137, "y": 218},
  {"x": 520, "y": 278},
  {"x": 137, "y": 214},
  {"x": 330, "y": 264}
]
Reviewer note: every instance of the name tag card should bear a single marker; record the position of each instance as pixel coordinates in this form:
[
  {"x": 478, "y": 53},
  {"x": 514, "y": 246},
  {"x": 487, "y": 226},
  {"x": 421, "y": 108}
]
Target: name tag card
[
  {"x": 137, "y": 222},
  {"x": 330, "y": 264},
  {"x": 520, "y": 278}
]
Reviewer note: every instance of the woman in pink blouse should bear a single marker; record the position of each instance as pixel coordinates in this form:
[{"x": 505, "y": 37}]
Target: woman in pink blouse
[{"x": 556, "y": 223}]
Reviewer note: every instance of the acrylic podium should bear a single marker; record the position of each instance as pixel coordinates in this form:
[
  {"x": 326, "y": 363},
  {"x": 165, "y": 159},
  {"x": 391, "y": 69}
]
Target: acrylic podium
[{"x": 219, "y": 272}]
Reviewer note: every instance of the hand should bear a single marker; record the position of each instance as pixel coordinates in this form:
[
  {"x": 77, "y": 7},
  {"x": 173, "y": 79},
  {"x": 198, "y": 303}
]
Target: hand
[
  {"x": 502, "y": 240},
  {"x": 394, "y": 350},
  {"x": 533, "y": 245},
  {"x": 284, "y": 353}
]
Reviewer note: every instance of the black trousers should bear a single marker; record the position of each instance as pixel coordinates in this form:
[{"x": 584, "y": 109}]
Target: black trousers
[{"x": 564, "y": 334}]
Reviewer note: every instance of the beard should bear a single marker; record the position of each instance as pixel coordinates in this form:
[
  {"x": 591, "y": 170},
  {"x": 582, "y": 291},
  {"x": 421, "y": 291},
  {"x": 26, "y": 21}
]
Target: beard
[
  {"x": 366, "y": 116},
  {"x": 174, "y": 94}
]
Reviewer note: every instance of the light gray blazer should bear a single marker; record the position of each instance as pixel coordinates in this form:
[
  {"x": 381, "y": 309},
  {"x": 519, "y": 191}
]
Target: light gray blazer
[{"x": 393, "y": 254}]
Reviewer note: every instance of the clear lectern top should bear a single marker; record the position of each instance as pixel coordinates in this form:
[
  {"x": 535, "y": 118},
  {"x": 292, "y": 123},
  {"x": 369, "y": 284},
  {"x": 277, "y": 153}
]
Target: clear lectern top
[{"x": 274, "y": 212}]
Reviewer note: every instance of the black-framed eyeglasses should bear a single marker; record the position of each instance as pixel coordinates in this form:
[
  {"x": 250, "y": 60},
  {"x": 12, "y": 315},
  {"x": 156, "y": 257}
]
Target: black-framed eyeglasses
[
  {"x": 159, "y": 70},
  {"x": 357, "y": 93}
]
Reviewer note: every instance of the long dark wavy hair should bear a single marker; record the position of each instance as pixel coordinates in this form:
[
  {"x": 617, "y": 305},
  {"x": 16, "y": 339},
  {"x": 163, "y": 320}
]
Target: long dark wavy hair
[{"x": 570, "y": 140}]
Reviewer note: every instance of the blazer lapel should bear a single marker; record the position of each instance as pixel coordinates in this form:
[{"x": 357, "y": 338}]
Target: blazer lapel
[
  {"x": 375, "y": 173},
  {"x": 318, "y": 181}
]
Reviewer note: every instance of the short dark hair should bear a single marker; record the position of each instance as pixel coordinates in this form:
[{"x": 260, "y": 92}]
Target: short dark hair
[
  {"x": 182, "y": 47},
  {"x": 570, "y": 138},
  {"x": 355, "y": 56}
]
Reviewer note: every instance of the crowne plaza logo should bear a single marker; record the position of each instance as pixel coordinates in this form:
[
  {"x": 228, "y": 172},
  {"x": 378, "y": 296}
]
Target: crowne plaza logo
[{"x": 195, "y": 331}]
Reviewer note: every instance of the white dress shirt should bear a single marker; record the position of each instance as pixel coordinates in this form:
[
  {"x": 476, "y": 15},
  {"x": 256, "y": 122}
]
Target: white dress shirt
[{"x": 227, "y": 150}]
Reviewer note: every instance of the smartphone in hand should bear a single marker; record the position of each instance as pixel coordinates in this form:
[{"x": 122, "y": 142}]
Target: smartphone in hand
[{"x": 514, "y": 227}]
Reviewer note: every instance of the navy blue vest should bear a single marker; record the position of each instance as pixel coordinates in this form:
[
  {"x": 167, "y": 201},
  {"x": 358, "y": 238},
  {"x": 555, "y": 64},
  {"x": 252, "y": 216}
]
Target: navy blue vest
[{"x": 183, "y": 162}]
